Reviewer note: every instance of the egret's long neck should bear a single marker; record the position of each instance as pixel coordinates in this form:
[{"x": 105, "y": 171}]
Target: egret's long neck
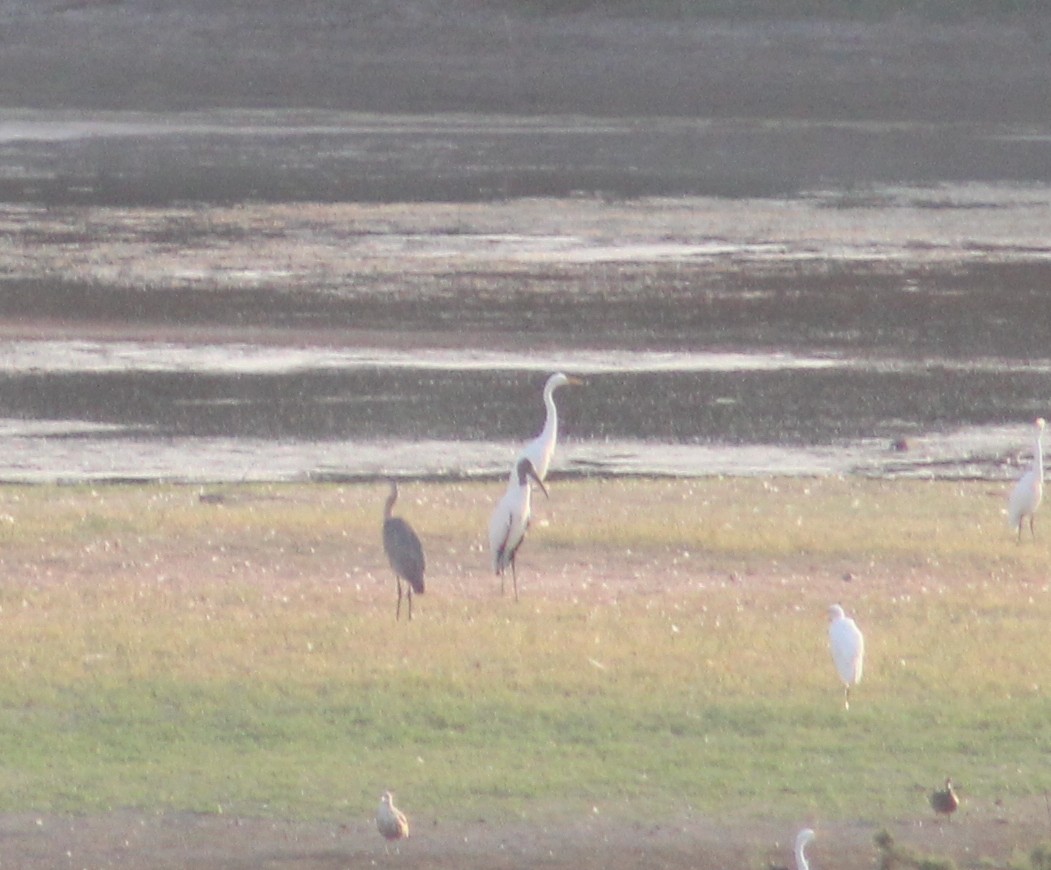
[
  {"x": 551, "y": 423},
  {"x": 801, "y": 863},
  {"x": 389, "y": 506}
]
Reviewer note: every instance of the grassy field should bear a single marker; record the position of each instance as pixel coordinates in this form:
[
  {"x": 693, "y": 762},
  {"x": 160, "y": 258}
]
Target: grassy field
[{"x": 239, "y": 653}]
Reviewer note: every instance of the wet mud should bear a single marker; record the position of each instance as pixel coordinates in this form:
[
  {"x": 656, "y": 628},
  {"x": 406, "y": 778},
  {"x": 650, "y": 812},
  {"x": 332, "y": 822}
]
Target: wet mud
[{"x": 431, "y": 208}]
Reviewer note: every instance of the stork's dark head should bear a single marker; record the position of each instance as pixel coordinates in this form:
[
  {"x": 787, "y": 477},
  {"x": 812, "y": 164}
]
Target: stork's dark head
[{"x": 526, "y": 471}]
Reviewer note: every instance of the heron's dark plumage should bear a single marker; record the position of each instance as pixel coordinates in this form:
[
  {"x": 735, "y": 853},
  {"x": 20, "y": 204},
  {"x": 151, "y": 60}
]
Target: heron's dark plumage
[{"x": 404, "y": 551}]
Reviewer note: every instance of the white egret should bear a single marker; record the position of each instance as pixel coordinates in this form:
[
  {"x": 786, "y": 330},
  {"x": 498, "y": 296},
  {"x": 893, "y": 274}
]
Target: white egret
[
  {"x": 1029, "y": 491},
  {"x": 945, "y": 801},
  {"x": 848, "y": 649},
  {"x": 404, "y": 551},
  {"x": 802, "y": 838},
  {"x": 540, "y": 450},
  {"x": 510, "y": 521},
  {"x": 391, "y": 821}
]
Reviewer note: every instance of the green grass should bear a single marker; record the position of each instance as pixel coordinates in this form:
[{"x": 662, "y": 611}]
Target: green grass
[{"x": 161, "y": 653}]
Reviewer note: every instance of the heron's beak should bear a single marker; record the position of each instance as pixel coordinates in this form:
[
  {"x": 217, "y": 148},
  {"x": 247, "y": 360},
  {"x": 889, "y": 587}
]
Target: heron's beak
[
  {"x": 532, "y": 473},
  {"x": 573, "y": 380}
]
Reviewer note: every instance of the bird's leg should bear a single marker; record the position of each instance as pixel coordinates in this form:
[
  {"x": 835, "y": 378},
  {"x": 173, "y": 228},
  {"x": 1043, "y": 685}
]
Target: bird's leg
[
  {"x": 502, "y": 590},
  {"x": 397, "y": 613},
  {"x": 846, "y": 697},
  {"x": 514, "y": 577},
  {"x": 1032, "y": 530},
  {"x": 410, "y": 603}
]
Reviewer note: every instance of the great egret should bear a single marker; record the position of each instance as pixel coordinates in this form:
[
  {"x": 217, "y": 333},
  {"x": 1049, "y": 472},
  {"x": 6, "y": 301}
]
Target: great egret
[
  {"x": 510, "y": 521},
  {"x": 540, "y": 450},
  {"x": 848, "y": 649},
  {"x": 404, "y": 551},
  {"x": 802, "y": 838},
  {"x": 391, "y": 821},
  {"x": 945, "y": 800},
  {"x": 1028, "y": 492}
]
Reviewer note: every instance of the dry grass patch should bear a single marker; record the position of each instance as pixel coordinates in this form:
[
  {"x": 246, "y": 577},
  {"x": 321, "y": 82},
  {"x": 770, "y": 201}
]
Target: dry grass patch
[{"x": 160, "y": 650}]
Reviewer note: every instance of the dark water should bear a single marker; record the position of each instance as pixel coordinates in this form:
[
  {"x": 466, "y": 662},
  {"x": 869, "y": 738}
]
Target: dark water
[
  {"x": 746, "y": 342},
  {"x": 144, "y": 411}
]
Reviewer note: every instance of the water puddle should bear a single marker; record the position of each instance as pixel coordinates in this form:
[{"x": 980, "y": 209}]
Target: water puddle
[{"x": 135, "y": 410}]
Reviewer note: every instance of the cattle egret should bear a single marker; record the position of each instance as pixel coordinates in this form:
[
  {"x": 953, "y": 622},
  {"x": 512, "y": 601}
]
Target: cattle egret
[
  {"x": 510, "y": 521},
  {"x": 945, "y": 800},
  {"x": 802, "y": 838},
  {"x": 391, "y": 821},
  {"x": 540, "y": 450},
  {"x": 848, "y": 649},
  {"x": 1028, "y": 492},
  {"x": 404, "y": 551}
]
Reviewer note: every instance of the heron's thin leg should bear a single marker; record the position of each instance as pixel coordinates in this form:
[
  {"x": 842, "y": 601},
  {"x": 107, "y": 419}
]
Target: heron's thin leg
[
  {"x": 397, "y": 613},
  {"x": 1032, "y": 522},
  {"x": 514, "y": 577},
  {"x": 410, "y": 603}
]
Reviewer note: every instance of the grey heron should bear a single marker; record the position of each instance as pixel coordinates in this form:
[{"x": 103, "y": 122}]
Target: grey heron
[{"x": 404, "y": 551}]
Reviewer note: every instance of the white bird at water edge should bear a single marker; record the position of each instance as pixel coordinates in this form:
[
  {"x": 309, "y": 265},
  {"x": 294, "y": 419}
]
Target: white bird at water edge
[
  {"x": 540, "y": 450},
  {"x": 510, "y": 521},
  {"x": 1027, "y": 494},
  {"x": 848, "y": 649}
]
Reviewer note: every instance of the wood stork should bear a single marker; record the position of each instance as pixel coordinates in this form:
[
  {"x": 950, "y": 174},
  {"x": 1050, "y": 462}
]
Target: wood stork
[
  {"x": 945, "y": 800},
  {"x": 848, "y": 649},
  {"x": 391, "y": 821},
  {"x": 510, "y": 521},
  {"x": 404, "y": 551},
  {"x": 540, "y": 450},
  {"x": 1029, "y": 491}
]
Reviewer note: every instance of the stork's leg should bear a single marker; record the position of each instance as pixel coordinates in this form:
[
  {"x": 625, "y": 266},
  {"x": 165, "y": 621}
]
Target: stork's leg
[
  {"x": 514, "y": 577},
  {"x": 397, "y": 613}
]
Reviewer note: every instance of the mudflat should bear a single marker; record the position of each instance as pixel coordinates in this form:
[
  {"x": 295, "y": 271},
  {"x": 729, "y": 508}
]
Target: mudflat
[{"x": 927, "y": 86}]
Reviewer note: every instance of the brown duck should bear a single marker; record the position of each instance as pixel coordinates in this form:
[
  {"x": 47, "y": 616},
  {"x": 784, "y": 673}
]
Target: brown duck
[{"x": 944, "y": 800}]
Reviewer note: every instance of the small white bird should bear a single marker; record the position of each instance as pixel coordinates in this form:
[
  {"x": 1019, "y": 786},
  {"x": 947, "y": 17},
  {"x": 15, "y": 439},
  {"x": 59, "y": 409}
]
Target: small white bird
[
  {"x": 510, "y": 521},
  {"x": 540, "y": 450},
  {"x": 1029, "y": 491},
  {"x": 390, "y": 821},
  {"x": 848, "y": 649},
  {"x": 802, "y": 838}
]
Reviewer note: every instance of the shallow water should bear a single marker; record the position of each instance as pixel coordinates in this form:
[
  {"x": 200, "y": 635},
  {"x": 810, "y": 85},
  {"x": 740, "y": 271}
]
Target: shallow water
[
  {"x": 162, "y": 410},
  {"x": 831, "y": 315}
]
